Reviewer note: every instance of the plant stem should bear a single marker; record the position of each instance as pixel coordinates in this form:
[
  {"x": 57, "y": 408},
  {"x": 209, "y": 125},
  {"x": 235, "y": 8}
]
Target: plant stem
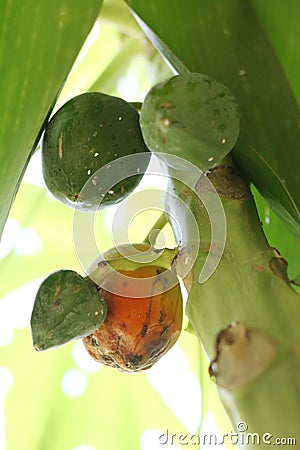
[
  {"x": 158, "y": 226},
  {"x": 248, "y": 311}
]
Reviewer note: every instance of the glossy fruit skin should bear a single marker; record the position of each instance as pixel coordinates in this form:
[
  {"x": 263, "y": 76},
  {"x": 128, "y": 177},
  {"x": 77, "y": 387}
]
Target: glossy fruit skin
[
  {"x": 87, "y": 133},
  {"x": 137, "y": 331}
]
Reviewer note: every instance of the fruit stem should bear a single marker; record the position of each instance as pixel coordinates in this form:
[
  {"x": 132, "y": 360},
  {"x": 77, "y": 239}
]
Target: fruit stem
[
  {"x": 130, "y": 257},
  {"x": 161, "y": 222}
]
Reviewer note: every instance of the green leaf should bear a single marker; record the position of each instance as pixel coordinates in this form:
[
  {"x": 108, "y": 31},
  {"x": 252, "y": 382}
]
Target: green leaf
[
  {"x": 66, "y": 307},
  {"x": 99, "y": 49},
  {"x": 38, "y": 44},
  {"x": 109, "y": 77},
  {"x": 229, "y": 43},
  {"x": 278, "y": 235},
  {"x": 281, "y": 22},
  {"x": 191, "y": 116}
]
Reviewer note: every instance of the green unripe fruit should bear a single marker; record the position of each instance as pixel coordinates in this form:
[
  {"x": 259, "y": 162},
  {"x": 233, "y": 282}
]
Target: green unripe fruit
[
  {"x": 66, "y": 307},
  {"x": 88, "y": 132},
  {"x": 191, "y": 116}
]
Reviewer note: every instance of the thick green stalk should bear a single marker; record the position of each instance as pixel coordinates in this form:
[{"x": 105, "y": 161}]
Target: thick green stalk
[
  {"x": 258, "y": 381},
  {"x": 250, "y": 283},
  {"x": 247, "y": 316}
]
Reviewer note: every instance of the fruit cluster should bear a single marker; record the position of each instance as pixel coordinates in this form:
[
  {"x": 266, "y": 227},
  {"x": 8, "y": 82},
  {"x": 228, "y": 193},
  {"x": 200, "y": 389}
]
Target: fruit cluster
[
  {"x": 131, "y": 330},
  {"x": 128, "y": 324}
]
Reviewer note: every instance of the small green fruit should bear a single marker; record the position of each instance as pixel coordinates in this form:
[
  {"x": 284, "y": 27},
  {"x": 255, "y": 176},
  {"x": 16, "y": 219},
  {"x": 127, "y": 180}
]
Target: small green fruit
[
  {"x": 191, "y": 116},
  {"x": 66, "y": 307},
  {"x": 88, "y": 132}
]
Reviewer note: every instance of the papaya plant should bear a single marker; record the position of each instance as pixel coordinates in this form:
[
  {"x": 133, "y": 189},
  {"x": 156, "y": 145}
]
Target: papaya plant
[{"x": 230, "y": 109}]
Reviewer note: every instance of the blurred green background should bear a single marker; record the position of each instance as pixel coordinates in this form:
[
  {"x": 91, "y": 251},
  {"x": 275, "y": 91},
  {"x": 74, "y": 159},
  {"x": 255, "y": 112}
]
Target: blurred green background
[{"x": 61, "y": 399}]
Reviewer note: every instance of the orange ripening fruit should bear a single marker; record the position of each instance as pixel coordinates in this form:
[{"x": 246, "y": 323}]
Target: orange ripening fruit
[{"x": 143, "y": 319}]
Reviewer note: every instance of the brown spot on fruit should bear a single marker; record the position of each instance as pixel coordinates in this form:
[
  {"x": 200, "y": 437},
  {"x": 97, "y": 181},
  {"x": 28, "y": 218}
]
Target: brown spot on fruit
[
  {"x": 137, "y": 330},
  {"x": 60, "y": 150},
  {"x": 57, "y": 291},
  {"x": 166, "y": 105}
]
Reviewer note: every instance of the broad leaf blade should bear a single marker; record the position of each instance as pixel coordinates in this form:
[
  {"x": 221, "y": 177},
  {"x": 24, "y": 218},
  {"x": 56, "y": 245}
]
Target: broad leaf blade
[
  {"x": 38, "y": 44},
  {"x": 229, "y": 43},
  {"x": 281, "y": 22}
]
